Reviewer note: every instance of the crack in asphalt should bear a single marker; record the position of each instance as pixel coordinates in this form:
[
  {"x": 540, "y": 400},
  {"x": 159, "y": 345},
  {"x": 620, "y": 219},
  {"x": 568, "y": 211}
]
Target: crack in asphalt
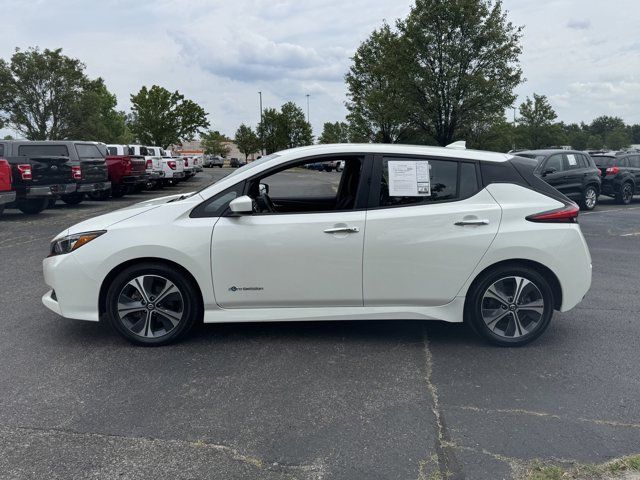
[
  {"x": 317, "y": 470},
  {"x": 521, "y": 411},
  {"x": 447, "y": 462}
]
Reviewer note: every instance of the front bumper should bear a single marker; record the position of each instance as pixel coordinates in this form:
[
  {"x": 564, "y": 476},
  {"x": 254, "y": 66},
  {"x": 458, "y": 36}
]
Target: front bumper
[
  {"x": 93, "y": 187},
  {"x": 50, "y": 190},
  {"x": 7, "y": 197}
]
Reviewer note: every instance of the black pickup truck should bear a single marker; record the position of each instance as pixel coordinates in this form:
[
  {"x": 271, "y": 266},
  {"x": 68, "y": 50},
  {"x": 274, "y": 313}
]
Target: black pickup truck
[{"x": 87, "y": 167}]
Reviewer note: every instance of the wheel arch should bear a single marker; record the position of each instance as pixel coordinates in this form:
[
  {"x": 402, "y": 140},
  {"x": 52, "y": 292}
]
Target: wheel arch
[
  {"x": 102, "y": 297},
  {"x": 543, "y": 270}
]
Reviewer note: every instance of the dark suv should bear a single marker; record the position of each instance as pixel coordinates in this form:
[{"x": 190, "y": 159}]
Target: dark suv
[
  {"x": 571, "y": 172},
  {"x": 620, "y": 174}
]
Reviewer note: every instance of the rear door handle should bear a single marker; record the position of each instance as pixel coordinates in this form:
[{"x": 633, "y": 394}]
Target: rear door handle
[
  {"x": 342, "y": 229},
  {"x": 476, "y": 221}
]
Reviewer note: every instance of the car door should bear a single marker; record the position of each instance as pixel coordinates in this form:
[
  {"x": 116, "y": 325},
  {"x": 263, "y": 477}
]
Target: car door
[
  {"x": 634, "y": 167},
  {"x": 422, "y": 245},
  {"x": 293, "y": 258},
  {"x": 555, "y": 173}
]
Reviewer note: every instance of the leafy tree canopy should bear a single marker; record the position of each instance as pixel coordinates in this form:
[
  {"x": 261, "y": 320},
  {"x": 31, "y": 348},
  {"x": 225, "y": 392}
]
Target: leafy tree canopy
[
  {"x": 337, "y": 132},
  {"x": 247, "y": 140},
  {"x": 214, "y": 143}
]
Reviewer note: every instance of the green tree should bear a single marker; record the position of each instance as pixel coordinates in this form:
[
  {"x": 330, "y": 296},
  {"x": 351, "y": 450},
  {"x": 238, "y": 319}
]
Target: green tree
[
  {"x": 160, "y": 117},
  {"x": 214, "y": 143},
  {"x": 295, "y": 129},
  {"x": 612, "y": 130},
  {"x": 536, "y": 118},
  {"x": 498, "y": 136},
  {"x": 39, "y": 91},
  {"x": 284, "y": 129},
  {"x": 337, "y": 132},
  {"x": 8, "y": 137},
  {"x": 376, "y": 105},
  {"x": 94, "y": 116},
  {"x": 460, "y": 65},
  {"x": 247, "y": 140}
]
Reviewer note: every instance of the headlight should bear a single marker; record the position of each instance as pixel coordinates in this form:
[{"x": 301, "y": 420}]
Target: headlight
[{"x": 73, "y": 242}]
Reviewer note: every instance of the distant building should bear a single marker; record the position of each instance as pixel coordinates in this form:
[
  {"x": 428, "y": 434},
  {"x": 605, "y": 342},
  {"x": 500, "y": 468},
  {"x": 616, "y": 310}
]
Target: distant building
[{"x": 195, "y": 148}]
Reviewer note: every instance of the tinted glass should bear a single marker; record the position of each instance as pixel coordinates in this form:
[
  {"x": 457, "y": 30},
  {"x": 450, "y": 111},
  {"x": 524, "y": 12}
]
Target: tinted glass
[
  {"x": 604, "y": 161},
  {"x": 539, "y": 158},
  {"x": 217, "y": 205},
  {"x": 634, "y": 161},
  {"x": 555, "y": 162},
  {"x": 443, "y": 176},
  {"x": 623, "y": 162},
  {"x": 43, "y": 150},
  {"x": 88, "y": 150},
  {"x": 112, "y": 150},
  {"x": 1, "y": 150},
  {"x": 504, "y": 172},
  {"x": 468, "y": 180}
]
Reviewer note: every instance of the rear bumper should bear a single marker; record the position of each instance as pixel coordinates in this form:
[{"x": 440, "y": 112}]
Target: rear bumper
[
  {"x": 177, "y": 175},
  {"x": 93, "y": 187},
  {"x": 154, "y": 175},
  {"x": 136, "y": 179},
  {"x": 50, "y": 190},
  {"x": 7, "y": 197}
]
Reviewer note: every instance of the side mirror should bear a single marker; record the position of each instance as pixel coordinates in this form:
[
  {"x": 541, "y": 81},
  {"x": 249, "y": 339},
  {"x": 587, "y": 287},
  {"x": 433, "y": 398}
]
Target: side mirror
[
  {"x": 548, "y": 171},
  {"x": 241, "y": 205},
  {"x": 263, "y": 189}
]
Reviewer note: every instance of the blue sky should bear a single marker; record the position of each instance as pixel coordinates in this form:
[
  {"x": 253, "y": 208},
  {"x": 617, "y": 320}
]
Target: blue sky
[{"x": 583, "y": 54}]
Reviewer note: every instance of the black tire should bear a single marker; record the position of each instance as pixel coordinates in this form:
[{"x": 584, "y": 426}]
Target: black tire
[
  {"x": 72, "y": 198},
  {"x": 32, "y": 206},
  {"x": 589, "y": 198},
  {"x": 625, "y": 195},
  {"x": 191, "y": 311},
  {"x": 51, "y": 203},
  {"x": 119, "y": 191},
  {"x": 1, "y": 210},
  {"x": 473, "y": 312}
]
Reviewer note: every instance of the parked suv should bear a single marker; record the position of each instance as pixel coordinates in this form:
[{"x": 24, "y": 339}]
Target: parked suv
[
  {"x": 7, "y": 195},
  {"x": 620, "y": 174},
  {"x": 571, "y": 172},
  {"x": 213, "y": 161}
]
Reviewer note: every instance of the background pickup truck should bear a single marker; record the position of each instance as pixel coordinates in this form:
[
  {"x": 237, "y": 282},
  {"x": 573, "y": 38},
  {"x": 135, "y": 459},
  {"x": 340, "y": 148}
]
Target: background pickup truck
[
  {"x": 172, "y": 166},
  {"x": 127, "y": 172},
  {"x": 7, "y": 195},
  {"x": 87, "y": 163},
  {"x": 154, "y": 164},
  {"x": 39, "y": 179}
]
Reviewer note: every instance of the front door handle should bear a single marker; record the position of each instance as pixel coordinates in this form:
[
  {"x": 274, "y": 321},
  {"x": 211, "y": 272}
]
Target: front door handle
[
  {"x": 342, "y": 230},
  {"x": 475, "y": 221}
]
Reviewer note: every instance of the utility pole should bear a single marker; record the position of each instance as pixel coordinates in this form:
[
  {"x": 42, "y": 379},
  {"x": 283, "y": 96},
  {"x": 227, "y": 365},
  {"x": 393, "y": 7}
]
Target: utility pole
[
  {"x": 261, "y": 120},
  {"x": 308, "y": 107}
]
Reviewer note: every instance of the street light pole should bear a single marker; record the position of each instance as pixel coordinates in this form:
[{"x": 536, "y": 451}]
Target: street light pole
[
  {"x": 261, "y": 120},
  {"x": 308, "y": 107}
]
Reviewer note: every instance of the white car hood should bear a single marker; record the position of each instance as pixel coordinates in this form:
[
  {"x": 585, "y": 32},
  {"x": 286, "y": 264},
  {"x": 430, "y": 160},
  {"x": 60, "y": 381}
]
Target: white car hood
[{"x": 103, "y": 222}]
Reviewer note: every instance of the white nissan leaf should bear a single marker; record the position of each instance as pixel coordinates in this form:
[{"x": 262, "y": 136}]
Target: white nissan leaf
[{"x": 402, "y": 232}]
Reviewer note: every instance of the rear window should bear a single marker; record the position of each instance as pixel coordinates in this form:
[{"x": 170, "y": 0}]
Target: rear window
[
  {"x": 88, "y": 150},
  {"x": 112, "y": 150},
  {"x": 43, "y": 151},
  {"x": 604, "y": 161}
]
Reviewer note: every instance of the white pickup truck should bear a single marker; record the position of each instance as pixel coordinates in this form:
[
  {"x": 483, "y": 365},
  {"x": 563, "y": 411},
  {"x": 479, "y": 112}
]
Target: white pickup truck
[
  {"x": 172, "y": 166},
  {"x": 154, "y": 165}
]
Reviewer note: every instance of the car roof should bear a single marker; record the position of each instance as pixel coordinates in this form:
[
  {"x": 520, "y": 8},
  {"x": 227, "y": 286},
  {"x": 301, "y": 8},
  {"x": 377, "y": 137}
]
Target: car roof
[
  {"x": 397, "y": 149},
  {"x": 548, "y": 151}
]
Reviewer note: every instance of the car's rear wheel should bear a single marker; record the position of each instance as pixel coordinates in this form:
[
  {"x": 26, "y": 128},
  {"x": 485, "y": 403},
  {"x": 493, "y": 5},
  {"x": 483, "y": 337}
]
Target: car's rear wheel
[
  {"x": 626, "y": 194},
  {"x": 590, "y": 198},
  {"x": 510, "y": 305},
  {"x": 32, "y": 206},
  {"x": 152, "y": 305}
]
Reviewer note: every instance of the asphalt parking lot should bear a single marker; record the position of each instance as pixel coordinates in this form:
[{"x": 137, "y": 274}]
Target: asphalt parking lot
[{"x": 330, "y": 400}]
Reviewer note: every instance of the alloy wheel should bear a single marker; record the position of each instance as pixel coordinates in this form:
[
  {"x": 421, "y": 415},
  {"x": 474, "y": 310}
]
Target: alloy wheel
[
  {"x": 590, "y": 198},
  {"x": 627, "y": 193},
  {"x": 150, "y": 306},
  {"x": 512, "y": 307}
]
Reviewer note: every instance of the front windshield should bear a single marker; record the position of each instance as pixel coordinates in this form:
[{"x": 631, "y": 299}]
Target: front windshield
[{"x": 244, "y": 168}]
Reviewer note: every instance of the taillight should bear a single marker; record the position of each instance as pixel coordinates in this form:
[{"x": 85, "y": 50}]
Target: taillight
[
  {"x": 613, "y": 170},
  {"x": 126, "y": 163},
  {"x": 149, "y": 164},
  {"x": 172, "y": 164},
  {"x": 76, "y": 172},
  {"x": 25, "y": 171},
  {"x": 567, "y": 214}
]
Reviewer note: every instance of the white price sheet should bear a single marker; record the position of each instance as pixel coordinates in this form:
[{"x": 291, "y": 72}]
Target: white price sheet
[{"x": 409, "y": 178}]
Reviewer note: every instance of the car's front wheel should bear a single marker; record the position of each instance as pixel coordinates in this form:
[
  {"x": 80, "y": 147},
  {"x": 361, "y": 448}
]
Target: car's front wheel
[
  {"x": 510, "y": 305},
  {"x": 152, "y": 305},
  {"x": 625, "y": 196}
]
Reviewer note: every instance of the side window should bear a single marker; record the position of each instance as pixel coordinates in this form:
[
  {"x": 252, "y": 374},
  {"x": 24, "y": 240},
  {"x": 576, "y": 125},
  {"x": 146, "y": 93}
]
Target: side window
[
  {"x": 634, "y": 161},
  {"x": 112, "y": 150},
  {"x": 573, "y": 161},
  {"x": 624, "y": 162},
  {"x": 555, "y": 162},
  {"x": 218, "y": 204},
  {"x": 318, "y": 185},
  {"x": 412, "y": 181},
  {"x": 88, "y": 150},
  {"x": 1, "y": 150},
  {"x": 468, "y": 180}
]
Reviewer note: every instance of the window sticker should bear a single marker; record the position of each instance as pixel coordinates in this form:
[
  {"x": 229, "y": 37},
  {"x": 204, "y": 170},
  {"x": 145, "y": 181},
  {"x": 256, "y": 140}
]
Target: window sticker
[
  {"x": 572, "y": 159},
  {"x": 409, "y": 178}
]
